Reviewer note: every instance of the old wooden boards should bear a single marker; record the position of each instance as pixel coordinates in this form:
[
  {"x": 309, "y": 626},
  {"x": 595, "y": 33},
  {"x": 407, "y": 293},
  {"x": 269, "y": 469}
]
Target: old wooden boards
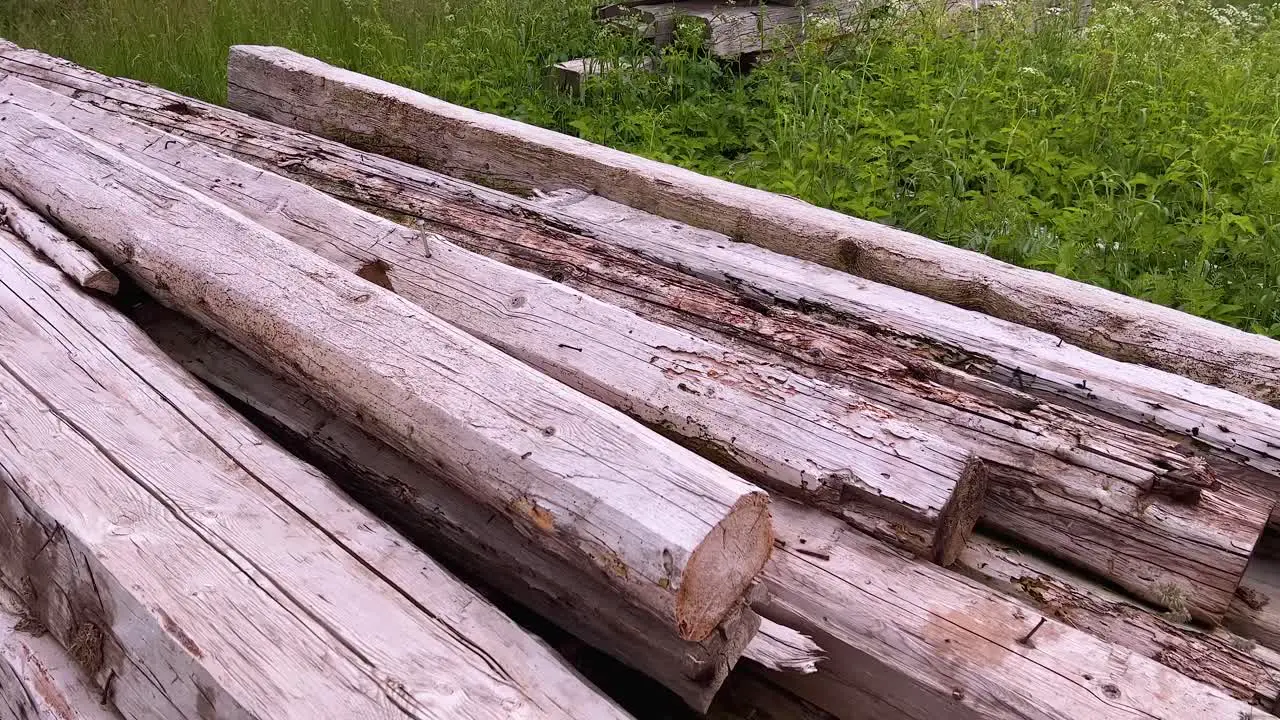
[
  {"x": 144, "y": 521},
  {"x": 280, "y": 85}
]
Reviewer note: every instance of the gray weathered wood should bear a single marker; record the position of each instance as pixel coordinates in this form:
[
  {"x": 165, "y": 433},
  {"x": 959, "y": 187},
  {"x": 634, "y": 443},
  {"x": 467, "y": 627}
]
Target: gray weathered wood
[
  {"x": 911, "y": 640},
  {"x": 194, "y": 569},
  {"x": 276, "y": 84},
  {"x": 452, "y": 526},
  {"x": 1231, "y": 663},
  {"x": 674, "y": 533},
  {"x": 79, "y": 264},
  {"x": 572, "y": 75},
  {"x": 731, "y": 29},
  {"x": 800, "y": 436},
  {"x": 39, "y": 680},
  {"x": 1050, "y": 497}
]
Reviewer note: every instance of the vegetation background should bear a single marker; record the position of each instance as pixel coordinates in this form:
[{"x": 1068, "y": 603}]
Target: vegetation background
[{"x": 1138, "y": 153}]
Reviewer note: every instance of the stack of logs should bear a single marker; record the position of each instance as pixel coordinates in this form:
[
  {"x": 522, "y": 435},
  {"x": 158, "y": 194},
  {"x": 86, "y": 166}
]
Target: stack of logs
[{"x": 648, "y": 414}]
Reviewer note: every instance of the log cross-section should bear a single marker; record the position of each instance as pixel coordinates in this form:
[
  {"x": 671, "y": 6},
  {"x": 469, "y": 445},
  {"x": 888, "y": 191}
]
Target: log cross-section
[
  {"x": 675, "y": 533},
  {"x": 800, "y": 436}
]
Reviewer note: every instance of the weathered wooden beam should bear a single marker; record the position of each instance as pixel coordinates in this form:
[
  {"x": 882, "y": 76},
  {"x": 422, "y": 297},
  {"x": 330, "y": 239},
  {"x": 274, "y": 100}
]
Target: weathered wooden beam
[
  {"x": 911, "y": 640},
  {"x": 194, "y": 569},
  {"x": 731, "y": 29},
  {"x": 1229, "y": 662},
  {"x": 277, "y": 84},
  {"x": 39, "y": 680},
  {"x": 676, "y": 534},
  {"x": 452, "y": 526},
  {"x": 799, "y": 436},
  {"x": 79, "y": 264},
  {"x": 1045, "y": 473}
]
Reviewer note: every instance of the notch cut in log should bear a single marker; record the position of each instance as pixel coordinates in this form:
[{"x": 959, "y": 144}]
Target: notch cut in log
[
  {"x": 1255, "y": 611},
  {"x": 195, "y": 569},
  {"x": 674, "y": 533},
  {"x": 798, "y": 436},
  {"x": 452, "y": 526},
  {"x": 1060, "y": 489},
  {"x": 276, "y": 84},
  {"x": 79, "y": 264},
  {"x": 924, "y": 643},
  {"x": 39, "y": 680}
]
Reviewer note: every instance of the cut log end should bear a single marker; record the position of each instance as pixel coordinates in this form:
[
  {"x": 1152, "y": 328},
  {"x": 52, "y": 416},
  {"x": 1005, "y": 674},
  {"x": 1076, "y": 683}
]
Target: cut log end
[
  {"x": 723, "y": 566},
  {"x": 104, "y": 281},
  {"x": 961, "y": 513}
]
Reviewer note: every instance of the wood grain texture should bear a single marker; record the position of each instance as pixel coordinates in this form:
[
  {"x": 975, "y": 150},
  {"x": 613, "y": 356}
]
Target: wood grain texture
[
  {"x": 277, "y": 84},
  {"x": 195, "y": 569},
  {"x": 910, "y": 640},
  {"x": 79, "y": 264},
  {"x": 1238, "y": 430},
  {"x": 1229, "y": 662},
  {"x": 39, "y": 680},
  {"x": 1126, "y": 540},
  {"x": 674, "y": 533},
  {"x": 451, "y": 525},
  {"x": 797, "y": 435}
]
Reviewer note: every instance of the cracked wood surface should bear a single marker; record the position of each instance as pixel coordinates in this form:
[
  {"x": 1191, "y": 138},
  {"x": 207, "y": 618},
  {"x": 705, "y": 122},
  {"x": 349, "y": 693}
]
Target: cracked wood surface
[
  {"x": 39, "y": 680},
  {"x": 910, "y": 640},
  {"x": 673, "y": 532},
  {"x": 1074, "y": 486},
  {"x": 797, "y": 435},
  {"x": 194, "y": 569},
  {"x": 275, "y": 83},
  {"x": 452, "y": 526}
]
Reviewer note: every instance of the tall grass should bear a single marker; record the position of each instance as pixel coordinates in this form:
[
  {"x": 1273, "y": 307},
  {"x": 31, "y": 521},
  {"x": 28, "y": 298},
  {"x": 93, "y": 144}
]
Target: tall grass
[{"x": 1139, "y": 153}]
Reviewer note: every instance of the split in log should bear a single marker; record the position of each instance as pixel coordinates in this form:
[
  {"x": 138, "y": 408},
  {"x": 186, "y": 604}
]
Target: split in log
[
  {"x": 195, "y": 569},
  {"x": 39, "y": 680},
  {"x": 1033, "y": 446},
  {"x": 799, "y": 436},
  {"x": 79, "y": 264},
  {"x": 674, "y": 533},
  {"x": 910, "y": 640},
  {"x": 310, "y": 95},
  {"x": 453, "y": 527},
  {"x": 730, "y": 29},
  {"x": 1231, "y": 663}
]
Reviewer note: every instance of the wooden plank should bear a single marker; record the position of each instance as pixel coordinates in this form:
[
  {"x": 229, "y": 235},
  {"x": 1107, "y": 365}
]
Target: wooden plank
[
  {"x": 452, "y": 526},
  {"x": 1229, "y": 662},
  {"x": 38, "y": 679},
  {"x": 676, "y": 534},
  {"x": 1126, "y": 540},
  {"x": 911, "y": 640},
  {"x": 276, "y": 84},
  {"x": 197, "y": 570},
  {"x": 797, "y": 435},
  {"x": 79, "y": 264}
]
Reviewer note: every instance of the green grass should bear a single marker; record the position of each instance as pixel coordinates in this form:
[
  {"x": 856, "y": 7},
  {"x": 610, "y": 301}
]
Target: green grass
[{"x": 1140, "y": 154}]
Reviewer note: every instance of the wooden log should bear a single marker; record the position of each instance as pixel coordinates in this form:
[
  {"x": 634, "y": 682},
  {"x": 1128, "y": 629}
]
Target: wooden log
[
  {"x": 910, "y": 640},
  {"x": 572, "y": 75},
  {"x": 1031, "y": 447},
  {"x": 676, "y": 534},
  {"x": 39, "y": 680},
  {"x": 79, "y": 264},
  {"x": 733, "y": 29},
  {"x": 1229, "y": 662},
  {"x": 276, "y": 84},
  {"x": 195, "y": 569},
  {"x": 452, "y": 526},
  {"x": 799, "y": 436}
]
